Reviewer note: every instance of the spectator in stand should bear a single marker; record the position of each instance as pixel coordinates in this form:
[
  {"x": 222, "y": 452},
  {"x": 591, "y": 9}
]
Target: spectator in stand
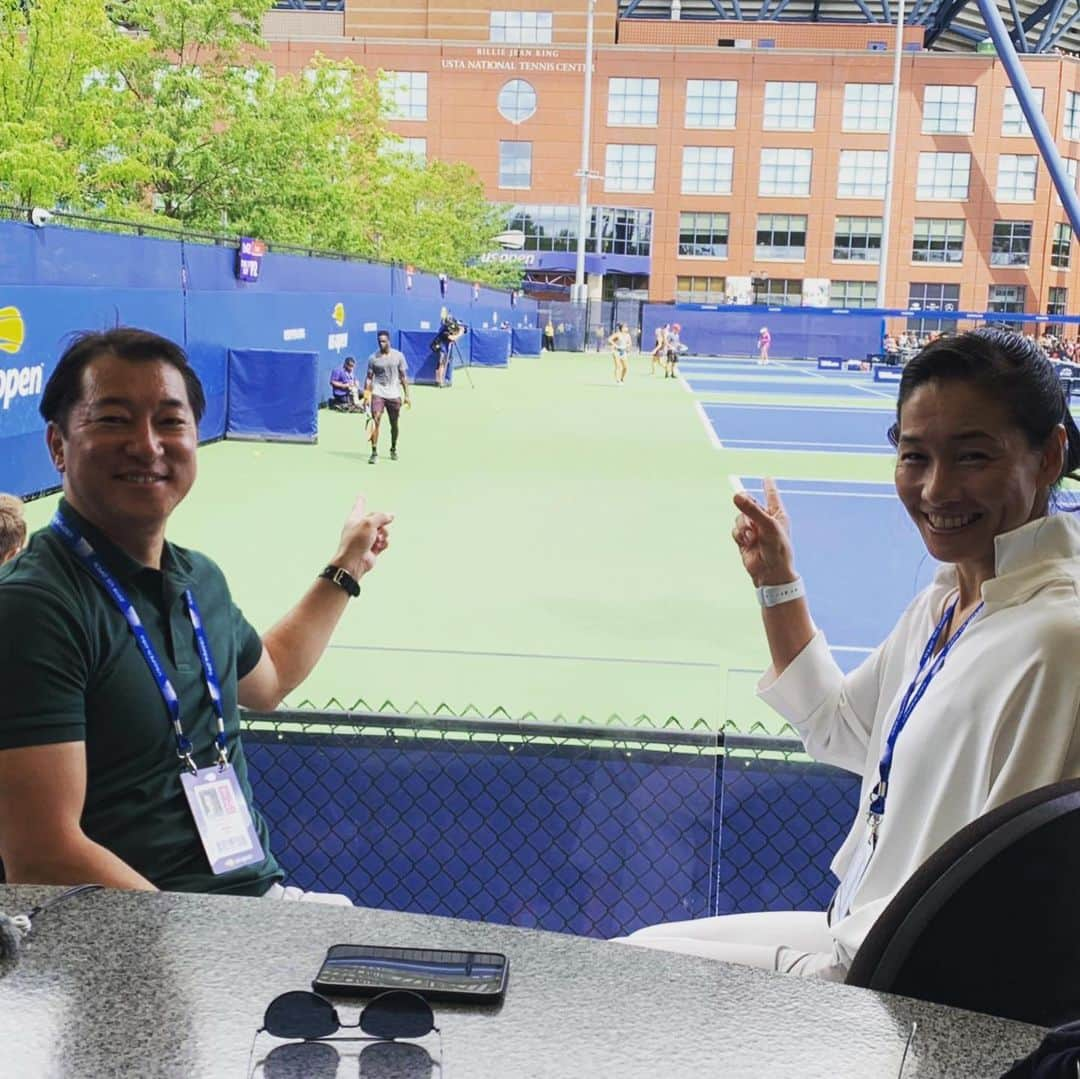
[{"x": 12, "y": 527}]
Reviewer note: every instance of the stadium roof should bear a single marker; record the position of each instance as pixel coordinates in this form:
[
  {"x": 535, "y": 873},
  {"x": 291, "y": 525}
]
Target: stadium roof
[{"x": 951, "y": 25}]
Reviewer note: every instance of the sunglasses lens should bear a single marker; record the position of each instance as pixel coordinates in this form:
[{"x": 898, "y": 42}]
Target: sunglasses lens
[
  {"x": 300, "y": 1015},
  {"x": 395, "y": 1060},
  {"x": 397, "y": 1014},
  {"x": 302, "y": 1060}
]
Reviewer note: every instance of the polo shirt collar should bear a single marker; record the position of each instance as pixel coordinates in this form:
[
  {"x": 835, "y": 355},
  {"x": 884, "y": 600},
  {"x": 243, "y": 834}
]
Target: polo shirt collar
[{"x": 175, "y": 565}]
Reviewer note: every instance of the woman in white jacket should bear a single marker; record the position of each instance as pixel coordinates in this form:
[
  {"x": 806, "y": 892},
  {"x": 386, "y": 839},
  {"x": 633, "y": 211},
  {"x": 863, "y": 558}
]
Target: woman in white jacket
[{"x": 974, "y": 697}]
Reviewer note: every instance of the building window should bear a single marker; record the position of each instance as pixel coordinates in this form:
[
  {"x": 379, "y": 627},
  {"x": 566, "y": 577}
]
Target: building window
[
  {"x": 1056, "y": 304},
  {"x": 1011, "y": 245},
  {"x": 520, "y": 27},
  {"x": 1016, "y": 177},
  {"x": 785, "y": 172},
  {"x": 546, "y": 228},
  {"x": 867, "y": 106},
  {"x": 781, "y": 236},
  {"x": 1072, "y": 115},
  {"x": 943, "y": 176},
  {"x": 948, "y": 110},
  {"x": 703, "y": 235},
  {"x": 930, "y": 296},
  {"x": 857, "y": 239},
  {"x": 699, "y": 289},
  {"x": 1007, "y": 299},
  {"x": 1061, "y": 248},
  {"x": 622, "y": 232},
  {"x": 862, "y": 174},
  {"x": 629, "y": 168},
  {"x": 711, "y": 102},
  {"x": 782, "y": 291},
  {"x": 853, "y": 293},
  {"x": 790, "y": 106},
  {"x": 415, "y": 149},
  {"x": 1013, "y": 121},
  {"x": 938, "y": 239},
  {"x": 706, "y": 170},
  {"x": 633, "y": 102},
  {"x": 1071, "y": 165},
  {"x": 515, "y": 164},
  {"x": 405, "y": 95},
  {"x": 517, "y": 101}
]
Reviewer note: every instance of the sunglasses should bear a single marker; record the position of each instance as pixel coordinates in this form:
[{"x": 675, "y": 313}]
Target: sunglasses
[{"x": 312, "y": 1018}]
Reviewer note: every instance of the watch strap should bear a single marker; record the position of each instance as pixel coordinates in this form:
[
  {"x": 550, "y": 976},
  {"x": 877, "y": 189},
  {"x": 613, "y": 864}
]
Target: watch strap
[
  {"x": 342, "y": 578},
  {"x": 772, "y": 595}
]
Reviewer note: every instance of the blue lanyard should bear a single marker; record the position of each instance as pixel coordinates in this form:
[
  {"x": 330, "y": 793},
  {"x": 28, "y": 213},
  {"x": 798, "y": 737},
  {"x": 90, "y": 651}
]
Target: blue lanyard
[
  {"x": 86, "y": 554},
  {"x": 911, "y": 699}
]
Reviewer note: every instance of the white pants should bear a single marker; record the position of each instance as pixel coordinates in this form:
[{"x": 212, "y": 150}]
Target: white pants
[
  {"x": 294, "y": 894},
  {"x": 790, "y": 942}
]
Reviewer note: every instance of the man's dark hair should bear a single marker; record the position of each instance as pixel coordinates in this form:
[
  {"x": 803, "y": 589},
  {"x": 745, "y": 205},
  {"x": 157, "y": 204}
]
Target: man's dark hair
[
  {"x": 64, "y": 388},
  {"x": 383, "y": 333},
  {"x": 1007, "y": 368}
]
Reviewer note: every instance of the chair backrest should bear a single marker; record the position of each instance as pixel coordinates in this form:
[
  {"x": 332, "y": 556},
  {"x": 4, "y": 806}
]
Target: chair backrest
[{"x": 991, "y": 920}]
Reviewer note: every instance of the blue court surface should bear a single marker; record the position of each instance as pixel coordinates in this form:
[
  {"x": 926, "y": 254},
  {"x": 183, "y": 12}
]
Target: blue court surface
[
  {"x": 861, "y": 557},
  {"x": 860, "y": 554},
  {"x": 814, "y": 387},
  {"x": 809, "y": 373},
  {"x": 794, "y": 428}
]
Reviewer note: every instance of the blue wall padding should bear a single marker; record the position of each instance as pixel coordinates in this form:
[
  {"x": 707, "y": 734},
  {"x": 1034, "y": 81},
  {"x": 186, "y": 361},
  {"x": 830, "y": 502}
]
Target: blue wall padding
[
  {"x": 526, "y": 341},
  {"x": 45, "y": 318},
  {"x": 272, "y": 395},
  {"x": 489, "y": 348},
  {"x": 420, "y": 358},
  {"x": 55, "y": 281},
  {"x": 796, "y": 332}
]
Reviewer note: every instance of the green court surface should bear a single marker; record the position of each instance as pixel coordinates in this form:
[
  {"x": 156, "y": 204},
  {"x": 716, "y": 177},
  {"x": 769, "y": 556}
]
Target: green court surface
[{"x": 561, "y": 548}]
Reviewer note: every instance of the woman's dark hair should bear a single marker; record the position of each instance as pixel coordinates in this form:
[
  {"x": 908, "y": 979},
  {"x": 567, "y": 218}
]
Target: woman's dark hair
[
  {"x": 64, "y": 388},
  {"x": 1007, "y": 368}
]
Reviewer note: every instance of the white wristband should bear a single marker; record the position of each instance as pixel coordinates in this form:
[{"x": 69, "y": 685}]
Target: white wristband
[{"x": 772, "y": 595}]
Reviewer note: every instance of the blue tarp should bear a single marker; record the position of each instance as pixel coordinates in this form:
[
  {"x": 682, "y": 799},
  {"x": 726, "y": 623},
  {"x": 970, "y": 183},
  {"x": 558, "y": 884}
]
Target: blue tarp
[
  {"x": 490, "y": 348},
  {"x": 272, "y": 395},
  {"x": 420, "y": 358},
  {"x": 526, "y": 341},
  {"x": 796, "y": 332}
]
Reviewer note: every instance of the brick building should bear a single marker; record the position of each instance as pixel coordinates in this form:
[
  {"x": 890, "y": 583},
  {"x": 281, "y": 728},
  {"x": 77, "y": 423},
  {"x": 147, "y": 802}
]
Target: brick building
[{"x": 736, "y": 160}]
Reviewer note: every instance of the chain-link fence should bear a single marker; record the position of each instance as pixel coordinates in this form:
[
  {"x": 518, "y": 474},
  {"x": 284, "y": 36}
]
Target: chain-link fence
[{"x": 590, "y": 830}]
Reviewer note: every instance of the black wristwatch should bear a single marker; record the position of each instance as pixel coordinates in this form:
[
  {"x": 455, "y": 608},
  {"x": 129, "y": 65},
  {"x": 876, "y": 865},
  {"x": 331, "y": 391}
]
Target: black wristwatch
[{"x": 343, "y": 579}]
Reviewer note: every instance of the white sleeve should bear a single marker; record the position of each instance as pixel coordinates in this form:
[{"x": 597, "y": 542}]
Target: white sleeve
[{"x": 833, "y": 712}]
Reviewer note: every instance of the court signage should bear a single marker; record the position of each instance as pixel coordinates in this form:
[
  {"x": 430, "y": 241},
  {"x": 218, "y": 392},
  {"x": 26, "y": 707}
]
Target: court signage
[
  {"x": 514, "y": 60},
  {"x": 23, "y": 381},
  {"x": 829, "y": 363},
  {"x": 886, "y": 374}
]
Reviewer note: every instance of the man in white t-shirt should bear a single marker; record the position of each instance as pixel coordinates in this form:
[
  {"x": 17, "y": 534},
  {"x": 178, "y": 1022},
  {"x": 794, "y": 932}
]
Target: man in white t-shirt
[{"x": 387, "y": 388}]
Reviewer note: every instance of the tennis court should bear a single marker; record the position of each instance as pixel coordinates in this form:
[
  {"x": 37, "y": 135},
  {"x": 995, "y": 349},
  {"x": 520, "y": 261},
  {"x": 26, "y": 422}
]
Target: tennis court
[{"x": 562, "y": 544}]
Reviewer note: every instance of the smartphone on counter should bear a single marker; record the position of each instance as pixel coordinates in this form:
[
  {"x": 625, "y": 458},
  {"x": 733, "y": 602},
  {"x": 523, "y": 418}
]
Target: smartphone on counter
[{"x": 434, "y": 973}]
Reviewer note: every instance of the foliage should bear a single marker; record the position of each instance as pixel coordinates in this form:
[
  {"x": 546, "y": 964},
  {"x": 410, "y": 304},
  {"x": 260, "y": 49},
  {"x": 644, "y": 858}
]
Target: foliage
[{"x": 164, "y": 110}]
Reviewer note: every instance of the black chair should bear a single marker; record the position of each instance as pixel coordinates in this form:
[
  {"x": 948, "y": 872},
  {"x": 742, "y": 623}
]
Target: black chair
[{"x": 991, "y": 920}]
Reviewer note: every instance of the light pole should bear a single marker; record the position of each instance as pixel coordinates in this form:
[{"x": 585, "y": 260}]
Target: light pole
[
  {"x": 890, "y": 161},
  {"x": 578, "y": 291}
]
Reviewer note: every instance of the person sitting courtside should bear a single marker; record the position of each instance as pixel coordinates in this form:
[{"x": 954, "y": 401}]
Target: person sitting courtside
[
  {"x": 123, "y": 656},
  {"x": 12, "y": 527},
  {"x": 345, "y": 393}
]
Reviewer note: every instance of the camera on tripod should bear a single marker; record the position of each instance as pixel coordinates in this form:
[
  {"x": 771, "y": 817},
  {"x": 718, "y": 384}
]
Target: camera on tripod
[{"x": 449, "y": 331}]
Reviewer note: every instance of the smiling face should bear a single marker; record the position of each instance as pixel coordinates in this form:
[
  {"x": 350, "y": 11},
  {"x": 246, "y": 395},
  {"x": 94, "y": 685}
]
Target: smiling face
[
  {"x": 127, "y": 451},
  {"x": 966, "y": 473}
]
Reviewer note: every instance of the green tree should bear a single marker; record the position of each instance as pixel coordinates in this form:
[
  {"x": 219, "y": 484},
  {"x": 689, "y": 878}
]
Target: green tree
[{"x": 59, "y": 131}]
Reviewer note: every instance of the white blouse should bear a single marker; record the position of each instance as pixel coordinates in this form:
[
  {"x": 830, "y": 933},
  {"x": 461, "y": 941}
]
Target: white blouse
[{"x": 998, "y": 720}]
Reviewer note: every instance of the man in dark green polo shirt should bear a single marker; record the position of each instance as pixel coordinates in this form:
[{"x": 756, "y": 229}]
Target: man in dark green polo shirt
[{"x": 90, "y": 787}]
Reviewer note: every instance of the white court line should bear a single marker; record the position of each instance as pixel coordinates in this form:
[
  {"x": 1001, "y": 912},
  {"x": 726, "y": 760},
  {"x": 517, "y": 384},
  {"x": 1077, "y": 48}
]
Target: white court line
[
  {"x": 685, "y": 384},
  {"x": 849, "y": 648},
  {"x": 845, "y": 409},
  {"x": 736, "y": 484},
  {"x": 714, "y": 438},
  {"x": 801, "y": 442},
  {"x": 832, "y": 494}
]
